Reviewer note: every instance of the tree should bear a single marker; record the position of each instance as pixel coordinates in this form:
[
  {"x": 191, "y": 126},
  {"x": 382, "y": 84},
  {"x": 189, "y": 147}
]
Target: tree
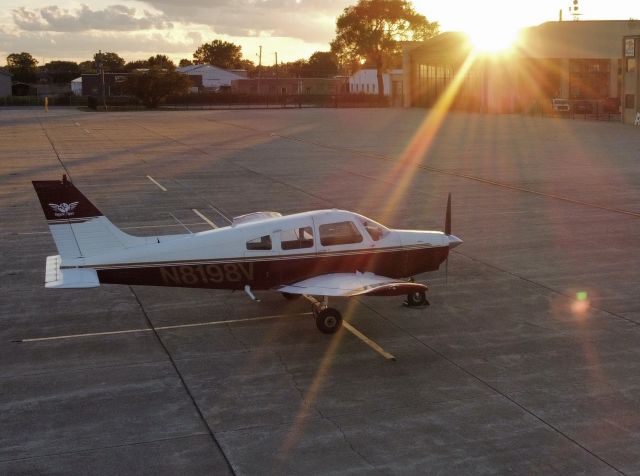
[
  {"x": 87, "y": 67},
  {"x": 161, "y": 61},
  {"x": 111, "y": 62},
  {"x": 136, "y": 64},
  {"x": 321, "y": 64},
  {"x": 23, "y": 67},
  {"x": 222, "y": 54},
  {"x": 373, "y": 29},
  {"x": 157, "y": 61},
  {"x": 155, "y": 84},
  {"x": 61, "y": 71},
  {"x": 185, "y": 62}
]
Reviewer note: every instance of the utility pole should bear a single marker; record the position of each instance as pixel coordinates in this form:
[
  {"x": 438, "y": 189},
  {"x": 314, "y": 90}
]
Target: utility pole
[
  {"x": 259, "y": 67},
  {"x": 276, "y": 64},
  {"x": 100, "y": 66}
]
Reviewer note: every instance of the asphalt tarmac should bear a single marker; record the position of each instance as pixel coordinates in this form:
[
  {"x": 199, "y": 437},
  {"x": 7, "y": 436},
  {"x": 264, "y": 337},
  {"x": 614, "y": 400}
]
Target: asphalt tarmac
[{"x": 526, "y": 362}]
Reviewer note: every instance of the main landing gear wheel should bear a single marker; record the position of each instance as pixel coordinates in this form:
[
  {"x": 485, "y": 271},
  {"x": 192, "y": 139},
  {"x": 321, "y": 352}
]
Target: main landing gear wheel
[
  {"x": 328, "y": 320},
  {"x": 416, "y": 299}
]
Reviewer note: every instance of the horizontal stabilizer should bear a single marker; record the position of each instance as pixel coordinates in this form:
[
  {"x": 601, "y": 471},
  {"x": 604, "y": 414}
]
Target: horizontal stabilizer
[{"x": 68, "y": 278}]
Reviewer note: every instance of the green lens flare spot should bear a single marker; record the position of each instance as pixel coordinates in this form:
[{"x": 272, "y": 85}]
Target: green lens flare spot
[{"x": 581, "y": 295}]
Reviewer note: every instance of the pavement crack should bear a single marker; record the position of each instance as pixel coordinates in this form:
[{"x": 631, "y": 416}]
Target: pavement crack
[
  {"x": 349, "y": 444},
  {"x": 236, "y": 338},
  {"x": 106, "y": 447},
  {"x": 291, "y": 376},
  {"x": 306, "y": 406},
  {"x": 547, "y": 423}
]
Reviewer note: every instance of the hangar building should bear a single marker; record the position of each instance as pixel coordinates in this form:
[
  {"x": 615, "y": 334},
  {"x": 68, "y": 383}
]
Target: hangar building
[{"x": 594, "y": 62}]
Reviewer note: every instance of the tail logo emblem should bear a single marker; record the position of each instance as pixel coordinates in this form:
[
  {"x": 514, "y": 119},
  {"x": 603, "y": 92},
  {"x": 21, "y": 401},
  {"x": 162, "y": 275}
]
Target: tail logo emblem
[{"x": 64, "y": 209}]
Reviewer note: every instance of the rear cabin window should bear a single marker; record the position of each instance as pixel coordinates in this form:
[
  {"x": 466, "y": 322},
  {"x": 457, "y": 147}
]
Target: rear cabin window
[
  {"x": 297, "y": 238},
  {"x": 258, "y": 244},
  {"x": 341, "y": 233}
]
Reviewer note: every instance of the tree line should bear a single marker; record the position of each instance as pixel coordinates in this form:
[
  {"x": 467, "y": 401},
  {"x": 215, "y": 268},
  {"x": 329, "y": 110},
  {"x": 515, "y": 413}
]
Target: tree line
[
  {"x": 223, "y": 54},
  {"x": 368, "y": 34}
]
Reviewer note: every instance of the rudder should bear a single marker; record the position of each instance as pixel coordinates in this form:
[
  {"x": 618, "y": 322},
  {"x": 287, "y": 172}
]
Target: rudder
[{"x": 78, "y": 228}]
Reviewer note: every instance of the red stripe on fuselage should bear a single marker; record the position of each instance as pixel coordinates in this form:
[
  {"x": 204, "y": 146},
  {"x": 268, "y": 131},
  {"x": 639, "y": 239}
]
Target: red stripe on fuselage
[{"x": 269, "y": 272}]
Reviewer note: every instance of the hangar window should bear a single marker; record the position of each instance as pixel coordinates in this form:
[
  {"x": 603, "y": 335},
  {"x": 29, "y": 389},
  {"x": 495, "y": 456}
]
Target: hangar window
[
  {"x": 297, "y": 238},
  {"x": 631, "y": 65},
  {"x": 340, "y": 233},
  {"x": 259, "y": 244},
  {"x": 630, "y": 101}
]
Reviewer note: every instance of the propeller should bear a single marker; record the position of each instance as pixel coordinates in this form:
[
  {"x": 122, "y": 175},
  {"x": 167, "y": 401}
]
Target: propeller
[
  {"x": 447, "y": 231},
  {"x": 453, "y": 240}
]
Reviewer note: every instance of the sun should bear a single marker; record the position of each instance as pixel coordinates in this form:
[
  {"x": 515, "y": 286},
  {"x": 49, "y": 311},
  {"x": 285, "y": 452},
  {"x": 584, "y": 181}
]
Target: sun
[{"x": 493, "y": 39}]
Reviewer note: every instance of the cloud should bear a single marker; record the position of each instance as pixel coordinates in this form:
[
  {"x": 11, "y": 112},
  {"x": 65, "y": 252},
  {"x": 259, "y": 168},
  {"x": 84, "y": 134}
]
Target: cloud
[
  {"x": 307, "y": 20},
  {"x": 111, "y": 18},
  {"x": 138, "y": 29},
  {"x": 82, "y": 46}
]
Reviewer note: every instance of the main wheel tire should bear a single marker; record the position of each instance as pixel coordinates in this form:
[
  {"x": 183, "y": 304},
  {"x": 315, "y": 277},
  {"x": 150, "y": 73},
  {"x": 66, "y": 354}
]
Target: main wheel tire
[
  {"x": 291, "y": 297},
  {"x": 419, "y": 298},
  {"x": 328, "y": 320}
]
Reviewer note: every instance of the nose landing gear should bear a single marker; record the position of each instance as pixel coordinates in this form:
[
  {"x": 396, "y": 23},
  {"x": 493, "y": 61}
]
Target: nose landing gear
[{"x": 417, "y": 299}]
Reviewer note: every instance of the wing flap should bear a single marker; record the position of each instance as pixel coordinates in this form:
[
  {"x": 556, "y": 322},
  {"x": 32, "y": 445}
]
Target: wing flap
[
  {"x": 55, "y": 277},
  {"x": 352, "y": 284}
]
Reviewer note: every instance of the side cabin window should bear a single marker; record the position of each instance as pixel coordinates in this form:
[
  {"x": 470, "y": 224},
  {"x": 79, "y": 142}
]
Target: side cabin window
[
  {"x": 375, "y": 230},
  {"x": 259, "y": 244},
  {"x": 341, "y": 233},
  {"x": 297, "y": 238}
]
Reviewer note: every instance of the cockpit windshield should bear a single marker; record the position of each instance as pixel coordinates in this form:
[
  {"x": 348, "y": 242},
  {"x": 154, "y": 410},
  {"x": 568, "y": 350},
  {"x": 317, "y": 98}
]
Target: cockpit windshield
[{"x": 376, "y": 230}]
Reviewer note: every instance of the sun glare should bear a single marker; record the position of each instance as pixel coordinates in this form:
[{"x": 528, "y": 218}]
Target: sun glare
[{"x": 493, "y": 40}]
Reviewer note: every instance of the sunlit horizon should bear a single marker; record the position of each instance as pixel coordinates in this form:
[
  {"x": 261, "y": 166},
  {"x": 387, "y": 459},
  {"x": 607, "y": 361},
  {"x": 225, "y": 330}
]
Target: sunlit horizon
[{"x": 293, "y": 32}]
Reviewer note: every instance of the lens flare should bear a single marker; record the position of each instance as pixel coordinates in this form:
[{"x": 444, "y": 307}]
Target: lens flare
[
  {"x": 493, "y": 40},
  {"x": 581, "y": 304}
]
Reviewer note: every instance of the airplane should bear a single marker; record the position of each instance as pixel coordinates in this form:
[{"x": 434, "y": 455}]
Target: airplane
[{"x": 322, "y": 253}]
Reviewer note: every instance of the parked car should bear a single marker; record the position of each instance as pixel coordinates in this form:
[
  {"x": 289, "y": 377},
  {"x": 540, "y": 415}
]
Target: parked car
[
  {"x": 560, "y": 105},
  {"x": 582, "y": 107}
]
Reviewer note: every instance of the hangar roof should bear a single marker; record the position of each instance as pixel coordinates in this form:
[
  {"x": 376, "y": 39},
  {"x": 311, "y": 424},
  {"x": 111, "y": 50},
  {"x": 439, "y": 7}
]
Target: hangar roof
[{"x": 568, "y": 39}]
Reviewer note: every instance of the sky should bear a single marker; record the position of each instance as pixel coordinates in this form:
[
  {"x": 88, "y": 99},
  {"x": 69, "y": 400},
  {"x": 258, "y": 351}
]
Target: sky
[{"x": 75, "y": 30}]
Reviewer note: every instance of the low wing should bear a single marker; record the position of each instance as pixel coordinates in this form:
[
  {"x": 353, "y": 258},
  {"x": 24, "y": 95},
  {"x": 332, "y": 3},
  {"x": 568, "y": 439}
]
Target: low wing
[{"x": 352, "y": 284}]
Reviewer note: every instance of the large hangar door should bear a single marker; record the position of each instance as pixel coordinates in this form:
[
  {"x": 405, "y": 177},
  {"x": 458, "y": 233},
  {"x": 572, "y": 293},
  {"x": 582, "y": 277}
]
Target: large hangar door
[{"x": 630, "y": 84}]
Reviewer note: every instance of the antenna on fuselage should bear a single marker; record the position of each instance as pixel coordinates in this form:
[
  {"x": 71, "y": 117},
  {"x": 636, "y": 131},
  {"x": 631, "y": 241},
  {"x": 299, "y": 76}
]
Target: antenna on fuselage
[{"x": 447, "y": 220}]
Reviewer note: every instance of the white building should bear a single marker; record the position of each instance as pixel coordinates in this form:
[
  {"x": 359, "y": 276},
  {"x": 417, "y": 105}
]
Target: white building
[
  {"x": 366, "y": 81},
  {"x": 76, "y": 86},
  {"x": 212, "y": 76}
]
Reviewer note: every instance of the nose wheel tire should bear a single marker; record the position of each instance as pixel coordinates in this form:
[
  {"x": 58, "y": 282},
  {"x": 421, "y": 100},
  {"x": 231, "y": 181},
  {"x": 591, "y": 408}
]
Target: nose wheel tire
[
  {"x": 328, "y": 320},
  {"x": 417, "y": 299}
]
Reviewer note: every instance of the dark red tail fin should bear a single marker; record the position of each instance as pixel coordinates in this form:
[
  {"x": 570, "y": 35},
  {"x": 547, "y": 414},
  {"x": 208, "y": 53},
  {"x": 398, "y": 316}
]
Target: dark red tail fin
[{"x": 61, "y": 200}]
